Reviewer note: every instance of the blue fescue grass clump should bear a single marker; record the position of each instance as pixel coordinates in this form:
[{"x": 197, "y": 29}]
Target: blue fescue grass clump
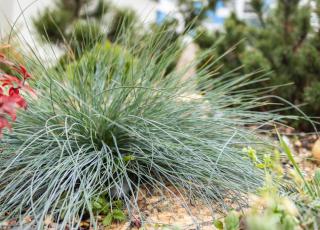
[{"x": 116, "y": 120}]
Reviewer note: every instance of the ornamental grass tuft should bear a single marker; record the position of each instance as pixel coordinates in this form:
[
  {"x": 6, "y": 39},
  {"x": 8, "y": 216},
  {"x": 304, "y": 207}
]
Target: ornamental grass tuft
[{"x": 115, "y": 120}]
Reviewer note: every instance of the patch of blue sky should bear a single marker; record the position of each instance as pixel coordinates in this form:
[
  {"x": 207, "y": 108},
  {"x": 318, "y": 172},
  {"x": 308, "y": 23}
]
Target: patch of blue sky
[
  {"x": 160, "y": 17},
  {"x": 213, "y": 16}
]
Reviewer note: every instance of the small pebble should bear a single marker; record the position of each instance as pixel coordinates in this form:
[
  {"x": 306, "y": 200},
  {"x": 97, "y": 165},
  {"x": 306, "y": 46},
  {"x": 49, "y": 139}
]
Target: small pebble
[{"x": 316, "y": 150}]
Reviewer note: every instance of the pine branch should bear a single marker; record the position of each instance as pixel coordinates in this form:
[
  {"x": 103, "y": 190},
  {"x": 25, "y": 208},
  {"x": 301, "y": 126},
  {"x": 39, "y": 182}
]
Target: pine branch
[{"x": 257, "y": 6}]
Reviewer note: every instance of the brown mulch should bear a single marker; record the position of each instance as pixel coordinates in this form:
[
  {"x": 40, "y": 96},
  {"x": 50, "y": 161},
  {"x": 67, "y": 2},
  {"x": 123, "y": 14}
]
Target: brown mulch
[
  {"x": 302, "y": 145},
  {"x": 164, "y": 210}
]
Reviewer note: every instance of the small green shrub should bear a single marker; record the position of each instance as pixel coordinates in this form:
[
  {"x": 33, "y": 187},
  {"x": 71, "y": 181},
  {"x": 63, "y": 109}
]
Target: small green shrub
[
  {"x": 111, "y": 212},
  {"x": 204, "y": 38},
  {"x": 75, "y": 25},
  {"x": 51, "y": 24},
  {"x": 54, "y": 23},
  {"x": 312, "y": 95},
  {"x": 123, "y": 18},
  {"x": 282, "y": 42},
  {"x": 85, "y": 35}
]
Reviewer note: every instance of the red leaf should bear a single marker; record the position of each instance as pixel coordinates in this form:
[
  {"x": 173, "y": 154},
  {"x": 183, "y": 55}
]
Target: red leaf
[
  {"x": 8, "y": 106},
  {"x": 4, "y": 124},
  {"x": 23, "y": 71},
  {"x": 17, "y": 98},
  {"x": 13, "y": 100}
]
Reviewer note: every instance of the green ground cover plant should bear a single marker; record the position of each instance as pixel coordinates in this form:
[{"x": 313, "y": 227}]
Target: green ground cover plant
[
  {"x": 286, "y": 201},
  {"x": 111, "y": 122}
]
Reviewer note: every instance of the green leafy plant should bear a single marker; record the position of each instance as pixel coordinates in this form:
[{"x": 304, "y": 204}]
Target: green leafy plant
[
  {"x": 270, "y": 209},
  {"x": 230, "y": 222},
  {"x": 111, "y": 212},
  {"x": 305, "y": 193},
  {"x": 290, "y": 156},
  {"x": 283, "y": 202}
]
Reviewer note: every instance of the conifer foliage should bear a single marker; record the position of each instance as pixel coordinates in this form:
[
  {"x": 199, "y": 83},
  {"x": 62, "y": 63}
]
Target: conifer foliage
[
  {"x": 285, "y": 39},
  {"x": 80, "y": 24}
]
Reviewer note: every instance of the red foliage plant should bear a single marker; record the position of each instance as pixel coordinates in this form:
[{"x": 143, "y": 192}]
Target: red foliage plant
[{"x": 10, "y": 87}]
